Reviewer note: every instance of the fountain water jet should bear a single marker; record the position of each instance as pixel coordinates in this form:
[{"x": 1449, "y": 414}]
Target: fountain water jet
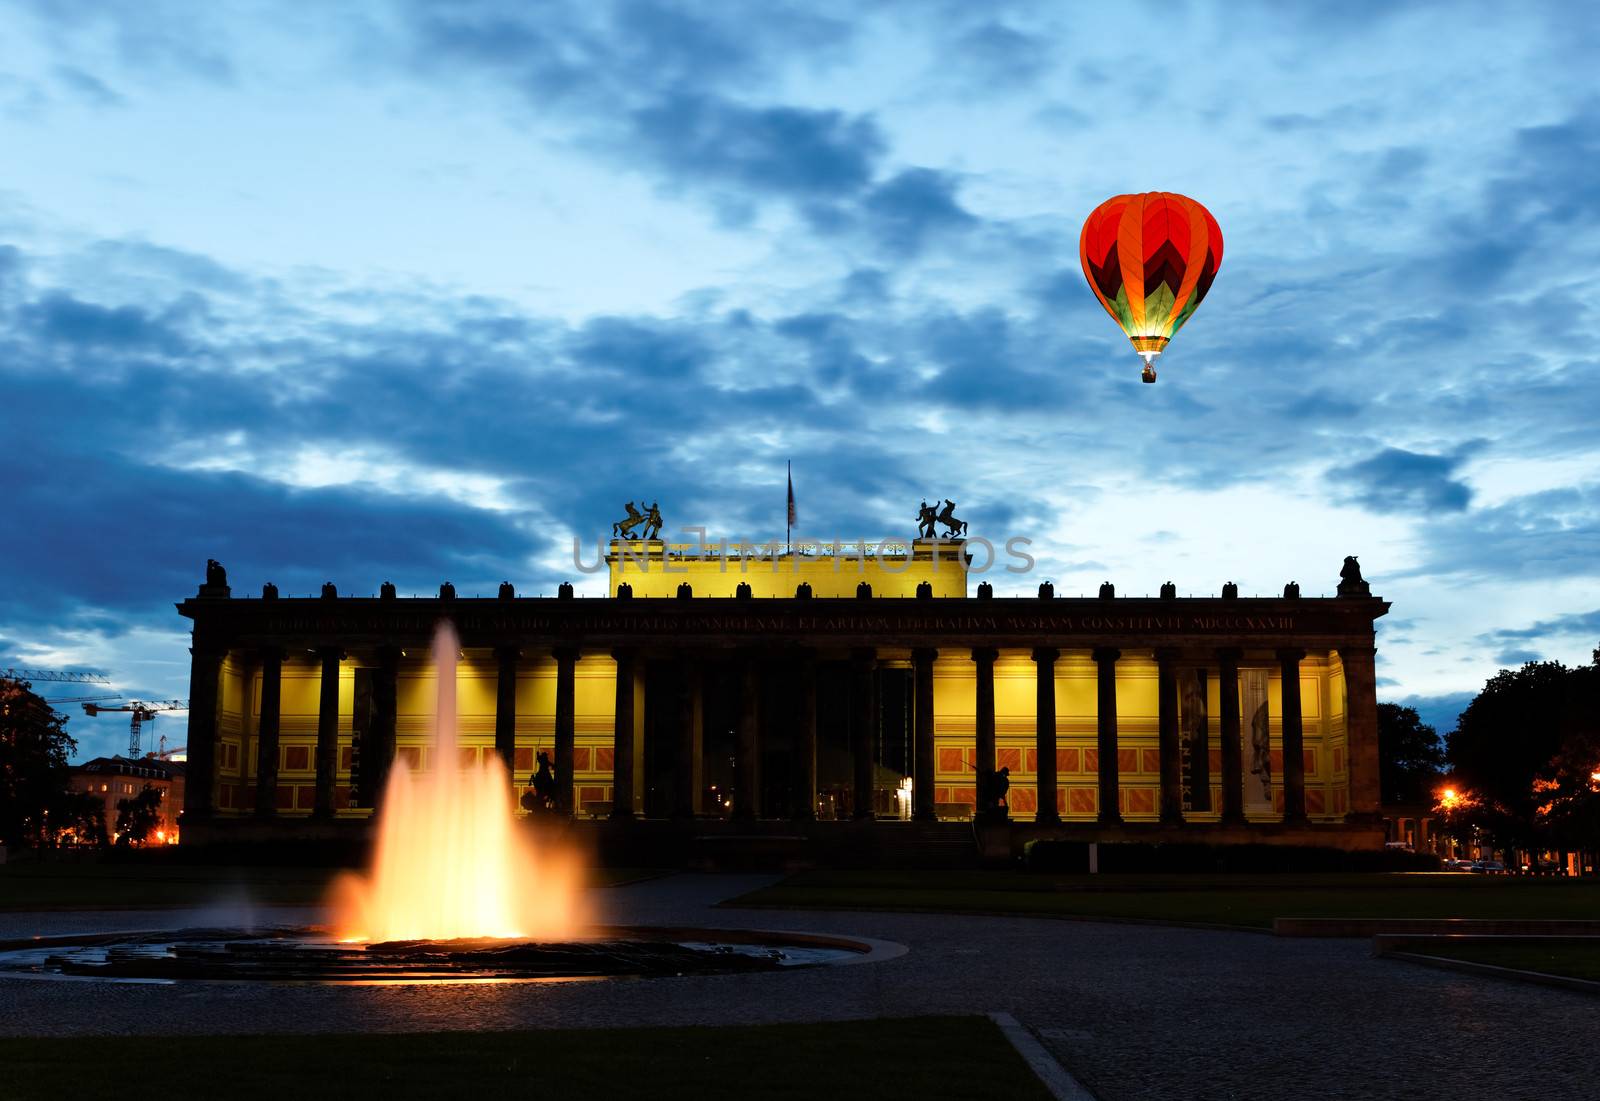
[{"x": 451, "y": 860}]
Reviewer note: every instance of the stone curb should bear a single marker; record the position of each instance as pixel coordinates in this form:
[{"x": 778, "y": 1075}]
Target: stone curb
[
  {"x": 1056, "y": 1078},
  {"x": 1489, "y": 970},
  {"x": 1090, "y": 918}
]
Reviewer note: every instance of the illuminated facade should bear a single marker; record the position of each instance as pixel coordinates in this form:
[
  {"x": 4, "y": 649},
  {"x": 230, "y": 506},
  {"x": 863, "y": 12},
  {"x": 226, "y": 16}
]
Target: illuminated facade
[
  {"x": 112, "y": 779},
  {"x": 808, "y": 686}
]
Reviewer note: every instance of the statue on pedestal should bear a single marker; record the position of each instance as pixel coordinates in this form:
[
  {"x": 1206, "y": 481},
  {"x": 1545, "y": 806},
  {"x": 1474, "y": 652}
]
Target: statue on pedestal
[
  {"x": 1351, "y": 583},
  {"x": 992, "y": 787},
  {"x": 216, "y": 583},
  {"x": 542, "y": 799}
]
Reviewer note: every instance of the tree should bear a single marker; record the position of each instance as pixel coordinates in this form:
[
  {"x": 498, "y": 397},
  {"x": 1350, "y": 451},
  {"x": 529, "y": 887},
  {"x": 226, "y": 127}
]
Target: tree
[
  {"x": 81, "y": 816},
  {"x": 1410, "y": 755},
  {"x": 136, "y": 817},
  {"x": 34, "y": 746},
  {"x": 1568, "y": 788},
  {"x": 1521, "y": 747}
]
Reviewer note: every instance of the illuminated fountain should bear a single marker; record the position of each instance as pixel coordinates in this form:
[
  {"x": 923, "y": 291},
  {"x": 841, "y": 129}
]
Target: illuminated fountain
[
  {"x": 451, "y": 861},
  {"x": 459, "y": 891}
]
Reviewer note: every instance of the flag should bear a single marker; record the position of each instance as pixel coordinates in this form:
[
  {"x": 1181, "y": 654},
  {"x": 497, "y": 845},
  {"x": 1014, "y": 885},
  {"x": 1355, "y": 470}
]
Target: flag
[{"x": 791, "y": 495}]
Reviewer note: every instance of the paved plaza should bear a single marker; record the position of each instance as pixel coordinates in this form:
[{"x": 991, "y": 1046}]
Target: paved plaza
[{"x": 1135, "y": 1011}]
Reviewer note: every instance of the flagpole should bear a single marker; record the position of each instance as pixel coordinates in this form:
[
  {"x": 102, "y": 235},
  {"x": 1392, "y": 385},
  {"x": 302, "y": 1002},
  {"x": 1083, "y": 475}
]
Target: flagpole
[{"x": 788, "y": 509}]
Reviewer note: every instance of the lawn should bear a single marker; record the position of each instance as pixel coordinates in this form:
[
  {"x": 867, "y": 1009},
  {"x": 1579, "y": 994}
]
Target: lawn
[
  {"x": 923, "y": 1057},
  {"x": 1573, "y": 960},
  {"x": 1251, "y": 901},
  {"x": 161, "y": 884}
]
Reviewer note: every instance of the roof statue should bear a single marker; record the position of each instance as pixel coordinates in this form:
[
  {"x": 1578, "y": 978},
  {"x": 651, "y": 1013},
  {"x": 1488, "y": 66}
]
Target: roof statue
[
  {"x": 930, "y": 515},
  {"x": 1351, "y": 583},
  {"x": 649, "y": 520}
]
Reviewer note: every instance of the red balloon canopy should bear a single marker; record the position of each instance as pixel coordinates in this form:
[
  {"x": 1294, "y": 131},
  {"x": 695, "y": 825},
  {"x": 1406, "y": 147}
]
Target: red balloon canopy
[{"x": 1150, "y": 259}]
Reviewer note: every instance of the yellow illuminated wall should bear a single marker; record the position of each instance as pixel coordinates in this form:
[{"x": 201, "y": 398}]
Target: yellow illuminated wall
[
  {"x": 657, "y": 569},
  {"x": 1323, "y": 709},
  {"x": 1138, "y": 752}
]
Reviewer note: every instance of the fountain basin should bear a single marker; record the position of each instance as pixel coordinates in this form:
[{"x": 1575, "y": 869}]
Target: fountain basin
[{"x": 313, "y": 955}]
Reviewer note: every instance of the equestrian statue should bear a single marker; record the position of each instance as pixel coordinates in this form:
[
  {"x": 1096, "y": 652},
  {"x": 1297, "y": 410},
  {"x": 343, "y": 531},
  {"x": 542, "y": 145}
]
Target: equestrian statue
[
  {"x": 929, "y": 515},
  {"x": 650, "y": 520}
]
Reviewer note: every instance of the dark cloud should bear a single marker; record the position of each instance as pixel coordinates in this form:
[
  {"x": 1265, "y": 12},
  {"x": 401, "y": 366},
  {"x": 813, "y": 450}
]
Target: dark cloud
[
  {"x": 12, "y": 272},
  {"x": 1516, "y": 657},
  {"x": 685, "y": 83},
  {"x": 863, "y": 286},
  {"x": 1552, "y": 534},
  {"x": 640, "y": 348},
  {"x": 994, "y": 57},
  {"x": 786, "y": 151},
  {"x": 112, "y": 533},
  {"x": 1396, "y": 480},
  {"x": 607, "y": 54},
  {"x": 60, "y": 318},
  {"x": 1586, "y": 624},
  {"x": 908, "y": 209}
]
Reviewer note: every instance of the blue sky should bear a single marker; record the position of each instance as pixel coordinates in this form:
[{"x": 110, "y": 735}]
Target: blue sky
[{"x": 408, "y": 292}]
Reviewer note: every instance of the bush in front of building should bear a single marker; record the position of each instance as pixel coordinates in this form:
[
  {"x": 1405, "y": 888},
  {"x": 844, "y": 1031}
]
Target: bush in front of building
[{"x": 1048, "y": 855}]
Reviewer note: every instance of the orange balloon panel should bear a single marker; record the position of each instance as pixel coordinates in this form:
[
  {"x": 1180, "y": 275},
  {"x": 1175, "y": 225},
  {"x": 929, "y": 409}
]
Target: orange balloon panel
[{"x": 1150, "y": 259}]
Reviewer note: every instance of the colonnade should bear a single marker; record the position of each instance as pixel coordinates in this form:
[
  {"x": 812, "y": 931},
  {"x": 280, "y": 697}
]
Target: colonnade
[{"x": 378, "y": 750}]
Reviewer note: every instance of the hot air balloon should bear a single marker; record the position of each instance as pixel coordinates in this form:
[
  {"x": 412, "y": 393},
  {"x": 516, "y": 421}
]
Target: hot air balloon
[{"x": 1150, "y": 259}]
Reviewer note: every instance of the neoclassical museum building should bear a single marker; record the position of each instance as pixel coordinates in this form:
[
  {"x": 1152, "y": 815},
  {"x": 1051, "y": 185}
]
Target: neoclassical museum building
[{"x": 736, "y": 687}]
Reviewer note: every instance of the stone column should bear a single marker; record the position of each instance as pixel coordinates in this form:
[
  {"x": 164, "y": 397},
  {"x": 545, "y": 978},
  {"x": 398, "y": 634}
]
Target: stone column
[
  {"x": 1294, "y": 761},
  {"x": 267, "y": 732},
  {"x": 747, "y": 804},
  {"x": 566, "y": 724},
  {"x": 505, "y": 709},
  {"x": 983, "y": 720},
  {"x": 385, "y": 714},
  {"x": 1106, "y": 709},
  {"x": 205, "y": 673},
  {"x": 685, "y": 787},
  {"x": 1361, "y": 730},
  {"x": 1232, "y": 746},
  {"x": 622, "y": 735},
  {"x": 1044, "y": 711},
  {"x": 1199, "y": 778},
  {"x": 805, "y": 742},
  {"x": 1167, "y": 738},
  {"x": 864, "y": 704},
  {"x": 327, "y": 731},
  {"x": 923, "y": 759}
]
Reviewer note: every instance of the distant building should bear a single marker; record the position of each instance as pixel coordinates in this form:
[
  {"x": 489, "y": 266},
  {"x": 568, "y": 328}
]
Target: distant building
[
  {"x": 113, "y": 778},
  {"x": 806, "y": 685}
]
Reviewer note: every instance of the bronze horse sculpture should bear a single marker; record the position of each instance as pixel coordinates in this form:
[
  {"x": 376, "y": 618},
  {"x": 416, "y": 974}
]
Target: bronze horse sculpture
[
  {"x": 650, "y": 519},
  {"x": 929, "y": 515}
]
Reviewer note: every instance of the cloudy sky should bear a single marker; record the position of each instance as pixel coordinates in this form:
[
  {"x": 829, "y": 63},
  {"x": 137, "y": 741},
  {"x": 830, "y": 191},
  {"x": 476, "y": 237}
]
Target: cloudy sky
[{"x": 414, "y": 292}]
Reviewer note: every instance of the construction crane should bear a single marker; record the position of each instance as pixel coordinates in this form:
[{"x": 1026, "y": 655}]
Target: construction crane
[
  {"x": 166, "y": 754},
  {"x": 141, "y": 713},
  {"x": 39, "y": 675}
]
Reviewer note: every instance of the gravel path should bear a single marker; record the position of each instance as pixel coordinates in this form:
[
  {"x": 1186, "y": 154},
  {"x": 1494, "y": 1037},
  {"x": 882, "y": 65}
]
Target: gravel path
[{"x": 1134, "y": 1011}]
